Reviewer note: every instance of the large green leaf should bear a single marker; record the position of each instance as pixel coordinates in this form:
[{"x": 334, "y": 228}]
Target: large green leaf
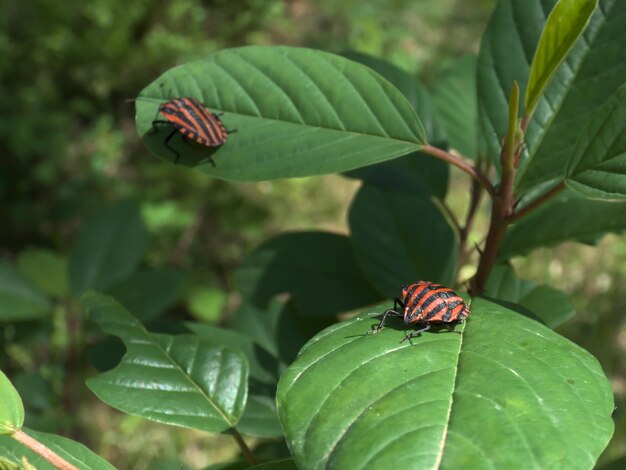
[
  {"x": 568, "y": 216},
  {"x": 454, "y": 95},
  {"x": 401, "y": 238},
  {"x": 411, "y": 88},
  {"x": 20, "y": 299},
  {"x": 11, "y": 406},
  {"x": 551, "y": 306},
  {"x": 566, "y": 22},
  {"x": 317, "y": 268},
  {"x": 598, "y": 166},
  {"x": 180, "y": 380},
  {"x": 108, "y": 247},
  {"x": 297, "y": 112},
  {"x": 73, "y": 452},
  {"x": 148, "y": 293},
  {"x": 46, "y": 268},
  {"x": 506, "y": 393},
  {"x": 591, "y": 72}
]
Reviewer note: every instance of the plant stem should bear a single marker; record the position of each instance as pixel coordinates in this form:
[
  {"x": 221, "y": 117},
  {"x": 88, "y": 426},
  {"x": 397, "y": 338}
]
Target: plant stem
[
  {"x": 537, "y": 202},
  {"x": 36, "y": 446},
  {"x": 245, "y": 450},
  {"x": 463, "y": 165},
  {"x": 503, "y": 201}
]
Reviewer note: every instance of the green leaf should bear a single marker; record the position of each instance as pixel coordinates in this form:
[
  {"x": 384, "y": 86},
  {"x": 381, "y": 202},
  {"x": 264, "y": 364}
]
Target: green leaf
[
  {"x": 399, "y": 238},
  {"x": 46, "y": 268},
  {"x": 591, "y": 72},
  {"x": 507, "y": 392},
  {"x": 409, "y": 86},
  {"x": 11, "y": 406},
  {"x": 598, "y": 166},
  {"x": 73, "y": 452},
  {"x": 416, "y": 173},
  {"x": 297, "y": 112},
  {"x": 108, "y": 248},
  {"x": 259, "y": 417},
  {"x": 551, "y": 306},
  {"x": 567, "y": 217},
  {"x": 20, "y": 299},
  {"x": 148, "y": 293},
  {"x": 180, "y": 380},
  {"x": 317, "y": 268},
  {"x": 263, "y": 366},
  {"x": 565, "y": 24},
  {"x": 454, "y": 96}
]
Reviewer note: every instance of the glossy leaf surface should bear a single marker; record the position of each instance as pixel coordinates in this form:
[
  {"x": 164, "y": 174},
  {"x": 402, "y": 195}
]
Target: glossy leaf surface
[
  {"x": 178, "y": 380},
  {"x": 507, "y": 390},
  {"x": 11, "y": 406}
]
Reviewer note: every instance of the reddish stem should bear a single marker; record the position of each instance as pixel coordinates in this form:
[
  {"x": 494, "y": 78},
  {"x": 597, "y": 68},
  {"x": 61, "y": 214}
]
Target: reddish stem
[
  {"x": 536, "y": 203},
  {"x": 42, "y": 450}
]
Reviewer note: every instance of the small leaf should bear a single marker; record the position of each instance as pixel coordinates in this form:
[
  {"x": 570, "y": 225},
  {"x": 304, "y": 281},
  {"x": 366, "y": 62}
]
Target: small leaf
[
  {"x": 46, "y": 268},
  {"x": 297, "y": 112},
  {"x": 598, "y": 166},
  {"x": 11, "y": 407},
  {"x": 504, "y": 391},
  {"x": 148, "y": 293},
  {"x": 317, "y": 268},
  {"x": 565, "y": 24},
  {"x": 73, "y": 452},
  {"x": 20, "y": 299},
  {"x": 108, "y": 247},
  {"x": 567, "y": 217},
  {"x": 400, "y": 238},
  {"x": 178, "y": 380}
]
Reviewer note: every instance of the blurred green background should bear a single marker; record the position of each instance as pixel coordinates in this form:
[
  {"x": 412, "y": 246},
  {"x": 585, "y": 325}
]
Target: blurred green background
[{"x": 68, "y": 147}]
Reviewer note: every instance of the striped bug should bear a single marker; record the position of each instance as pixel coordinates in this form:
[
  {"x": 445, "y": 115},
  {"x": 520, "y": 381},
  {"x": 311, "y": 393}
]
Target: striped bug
[
  {"x": 194, "y": 121},
  {"x": 426, "y": 303}
]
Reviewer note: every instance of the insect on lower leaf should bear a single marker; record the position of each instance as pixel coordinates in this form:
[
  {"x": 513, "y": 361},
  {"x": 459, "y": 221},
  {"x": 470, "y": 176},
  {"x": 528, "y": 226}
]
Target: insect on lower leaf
[{"x": 425, "y": 304}]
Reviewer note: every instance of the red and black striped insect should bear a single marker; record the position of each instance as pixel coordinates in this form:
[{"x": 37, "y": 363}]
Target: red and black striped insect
[
  {"x": 194, "y": 121},
  {"x": 425, "y": 304}
]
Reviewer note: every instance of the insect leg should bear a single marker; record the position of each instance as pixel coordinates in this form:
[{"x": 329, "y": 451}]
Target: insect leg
[
  {"x": 415, "y": 334},
  {"x": 391, "y": 312},
  {"x": 155, "y": 122},
  {"x": 167, "y": 140}
]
